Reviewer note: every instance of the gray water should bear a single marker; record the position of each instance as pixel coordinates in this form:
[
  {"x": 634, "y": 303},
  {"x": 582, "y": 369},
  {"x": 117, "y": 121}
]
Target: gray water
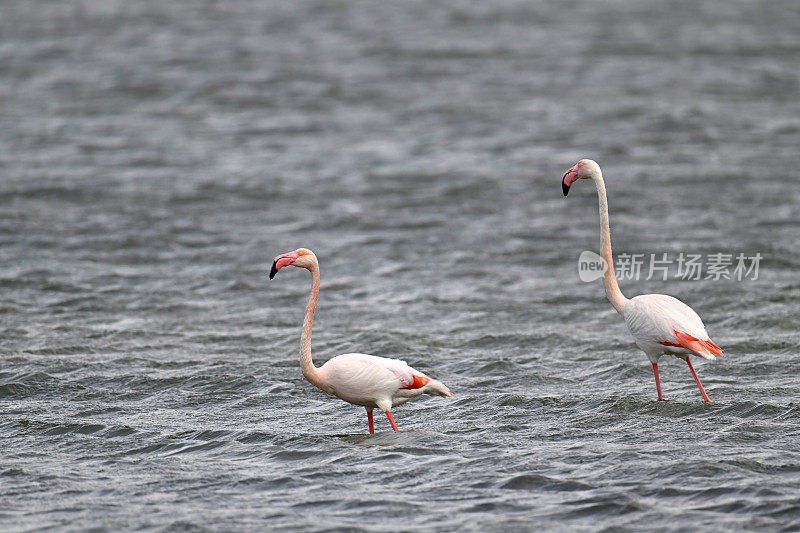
[{"x": 155, "y": 156}]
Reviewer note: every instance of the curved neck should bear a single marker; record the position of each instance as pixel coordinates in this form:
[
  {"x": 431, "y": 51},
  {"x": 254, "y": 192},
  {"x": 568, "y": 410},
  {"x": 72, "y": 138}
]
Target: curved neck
[
  {"x": 310, "y": 372},
  {"x": 613, "y": 293}
]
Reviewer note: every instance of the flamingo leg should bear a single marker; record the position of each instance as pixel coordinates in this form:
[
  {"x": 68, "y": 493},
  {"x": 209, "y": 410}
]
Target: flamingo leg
[
  {"x": 391, "y": 420},
  {"x": 658, "y": 382},
  {"x": 369, "y": 419},
  {"x": 702, "y": 390}
]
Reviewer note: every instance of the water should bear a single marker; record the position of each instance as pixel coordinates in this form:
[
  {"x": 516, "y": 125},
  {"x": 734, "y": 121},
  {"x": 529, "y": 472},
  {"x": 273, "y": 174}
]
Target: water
[{"x": 155, "y": 157}]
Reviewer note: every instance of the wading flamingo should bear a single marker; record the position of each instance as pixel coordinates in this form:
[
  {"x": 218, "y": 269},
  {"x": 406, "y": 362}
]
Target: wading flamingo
[
  {"x": 356, "y": 378},
  {"x": 660, "y": 324}
]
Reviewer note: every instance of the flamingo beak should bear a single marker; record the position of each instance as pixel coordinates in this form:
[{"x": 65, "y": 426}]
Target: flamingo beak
[
  {"x": 281, "y": 261},
  {"x": 568, "y": 179}
]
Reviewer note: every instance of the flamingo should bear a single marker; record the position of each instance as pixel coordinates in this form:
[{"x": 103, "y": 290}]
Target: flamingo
[
  {"x": 356, "y": 378},
  {"x": 660, "y": 324}
]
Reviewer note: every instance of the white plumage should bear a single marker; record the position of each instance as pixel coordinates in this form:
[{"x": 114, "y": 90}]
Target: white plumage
[
  {"x": 371, "y": 381},
  {"x": 653, "y": 320}
]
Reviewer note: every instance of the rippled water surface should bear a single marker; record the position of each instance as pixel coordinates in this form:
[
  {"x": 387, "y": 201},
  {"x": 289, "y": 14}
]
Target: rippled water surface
[{"x": 155, "y": 157}]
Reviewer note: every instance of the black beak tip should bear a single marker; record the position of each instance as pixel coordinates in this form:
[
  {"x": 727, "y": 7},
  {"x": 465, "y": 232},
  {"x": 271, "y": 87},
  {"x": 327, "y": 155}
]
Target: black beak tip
[
  {"x": 273, "y": 270},
  {"x": 565, "y": 188}
]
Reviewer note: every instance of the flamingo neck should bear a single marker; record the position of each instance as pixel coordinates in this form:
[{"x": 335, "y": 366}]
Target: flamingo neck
[
  {"x": 613, "y": 293},
  {"x": 311, "y": 373}
]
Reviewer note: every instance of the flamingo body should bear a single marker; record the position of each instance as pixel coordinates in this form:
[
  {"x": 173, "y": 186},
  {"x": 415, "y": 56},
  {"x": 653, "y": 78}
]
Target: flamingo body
[
  {"x": 371, "y": 381},
  {"x": 661, "y": 324}
]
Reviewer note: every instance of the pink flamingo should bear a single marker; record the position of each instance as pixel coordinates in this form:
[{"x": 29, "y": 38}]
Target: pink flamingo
[
  {"x": 660, "y": 324},
  {"x": 356, "y": 378}
]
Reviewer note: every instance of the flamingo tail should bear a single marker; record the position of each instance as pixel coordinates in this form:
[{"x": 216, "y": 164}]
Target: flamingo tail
[{"x": 704, "y": 348}]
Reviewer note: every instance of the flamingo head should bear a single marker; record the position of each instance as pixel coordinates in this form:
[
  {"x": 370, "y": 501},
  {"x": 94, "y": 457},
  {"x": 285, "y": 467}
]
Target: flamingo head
[
  {"x": 583, "y": 169},
  {"x": 301, "y": 257}
]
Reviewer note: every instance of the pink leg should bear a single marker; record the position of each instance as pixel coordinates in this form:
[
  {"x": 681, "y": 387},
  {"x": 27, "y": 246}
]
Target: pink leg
[
  {"x": 702, "y": 390},
  {"x": 391, "y": 420},
  {"x": 369, "y": 418},
  {"x": 658, "y": 382}
]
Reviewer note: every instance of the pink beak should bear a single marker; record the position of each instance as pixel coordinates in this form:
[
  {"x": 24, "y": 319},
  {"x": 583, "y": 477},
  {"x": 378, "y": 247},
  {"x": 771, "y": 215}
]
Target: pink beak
[
  {"x": 570, "y": 176},
  {"x": 281, "y": 261}
]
